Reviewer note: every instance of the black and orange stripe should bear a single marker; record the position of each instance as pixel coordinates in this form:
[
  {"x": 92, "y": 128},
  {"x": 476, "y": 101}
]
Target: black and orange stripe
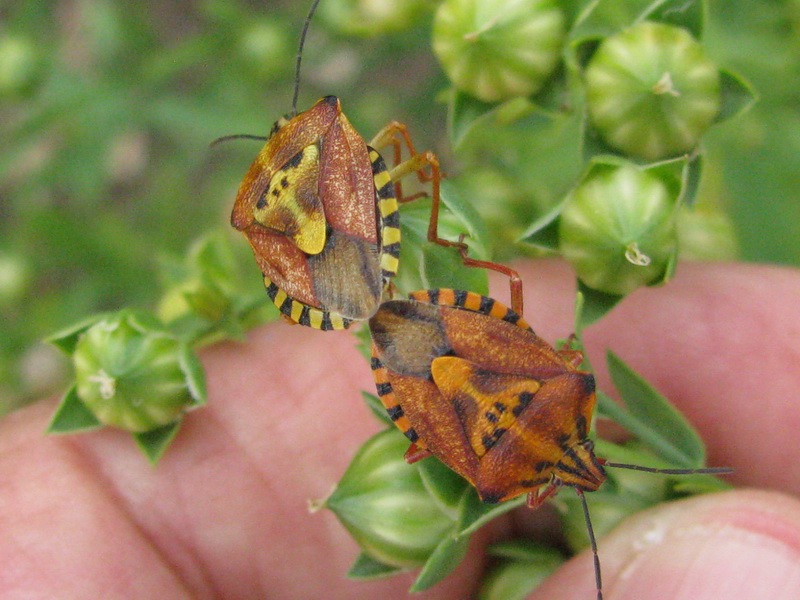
[
  {"x": 472, "y": 302},
  {"x": 393, "y": 408}
]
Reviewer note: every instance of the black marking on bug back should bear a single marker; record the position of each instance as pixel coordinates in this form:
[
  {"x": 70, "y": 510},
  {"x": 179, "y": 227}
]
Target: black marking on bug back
[
  {"x": 286, "y": 306},
  {"x": 542, "y": 465},
  {"x": 525, "y": 398},
  {"x": 279, "y": 124},
  {"x": 393, "y": 249},
  {"x": 411, "y": 435},
  {"x": 588, "y": 383},
  {"x": 489, "y": 441},
  {"x": 491, "y": 497},
  {"x": 387, "y": 191},
  {"x": 378, "y": 164},
  {"x": 486, "y": 305},
  {"x": 383, "y": 389},
  {"x": 293, "y": 162},
  {"x": 262, "y": 200},
  {"x": 375, "y": 363},
  {"x": 395, "y": 412},
  {"x": 392, "y": 219},
  {"x": 491, "y": 417},
  {"x": 272, "y": 290},
  {"x": 326, "y": 321},
  {"x": 305, "y": 317},
  {"x": 459, "y": 298},
  {"x": 500, "y": 407},
  {"x": 511, "y": 317},
  {"x": 580, "y": 426}
]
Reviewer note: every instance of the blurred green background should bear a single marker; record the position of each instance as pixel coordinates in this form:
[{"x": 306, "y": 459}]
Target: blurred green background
[{"x": 107, "y": 110}]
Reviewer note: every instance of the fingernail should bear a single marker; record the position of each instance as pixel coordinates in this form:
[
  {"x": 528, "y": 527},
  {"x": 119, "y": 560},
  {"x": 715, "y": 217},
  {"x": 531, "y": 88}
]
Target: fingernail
[{"x": 709, "y": 549}]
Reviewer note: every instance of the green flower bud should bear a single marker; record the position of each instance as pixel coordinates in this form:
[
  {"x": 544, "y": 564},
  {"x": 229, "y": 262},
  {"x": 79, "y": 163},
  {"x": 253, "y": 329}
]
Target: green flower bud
[
  {"x": 495, "y": 50},
  {"x": 132, "y": 374},
  {"x": 20, "y": 64},
  {"x": 617, "y": 229},
  {"x": 371, "y": 17},
  {"x": 651, "y": 91},
  {"x": 384, "y": 505},
  {"x": 15, "y": 278},
  {"x": 206, "y": 284},
  {"x": 265, "y": 46}
]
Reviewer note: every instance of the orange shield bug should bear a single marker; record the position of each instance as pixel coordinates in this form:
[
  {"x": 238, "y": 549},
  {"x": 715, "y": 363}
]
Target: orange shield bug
[
  {"x": 468, "y": 381},
  {"x": 319, "y": 208}
]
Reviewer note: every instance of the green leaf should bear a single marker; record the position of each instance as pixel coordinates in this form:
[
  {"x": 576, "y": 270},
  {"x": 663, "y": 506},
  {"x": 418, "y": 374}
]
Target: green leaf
[
  {"x": 154, "y": 443},
  {"x": 376, "y": 407},
  {"x": 195, "y": 375},
  {"x": 673, "y": 173},
  {"x": 542, "y": 234},
  {"x": 446, "y": 557},
  {"x": 474, "y": 514},
  {"x": 425, "y": 265},
  {"x": 467, "y": 216},
  {"x": 445, "y": 486},
  {"x": 689, "y": 14},
  {"x": 463, "y": 114},
  {"x": 72, "y": 415},
  {"x": 653, "y": 419},
  {"x": 366, "y": 568},
  {"x": 737, "y": 95},
  {"x": 523, "y": 549},
  {"x": 66, "y": 338},
  {"x": 594, "y": 306},
  {"x": 523, "y": 565}
]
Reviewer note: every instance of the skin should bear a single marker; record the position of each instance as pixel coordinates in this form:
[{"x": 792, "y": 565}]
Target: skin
[{"x": 224, "y": 514}]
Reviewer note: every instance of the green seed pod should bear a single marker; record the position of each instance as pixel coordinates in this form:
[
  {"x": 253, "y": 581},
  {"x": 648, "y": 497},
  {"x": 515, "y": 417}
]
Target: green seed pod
[
  {"x": 371, "y": 17},
  {"x": 131, "y": 374},
  {"x": 651, "y": 91},
  {"x": 496, "y": 50},
  {"x": 617, "y": 229},
  {"x": 382, "y": 502}
]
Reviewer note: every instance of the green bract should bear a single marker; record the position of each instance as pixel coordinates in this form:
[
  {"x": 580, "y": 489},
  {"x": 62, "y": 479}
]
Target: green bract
[
  {"x": 496, "y": 50},
  {"x": 617, "y": 228},
  {"x": 371, "y": 17},
  {"x": 131, "y": 375},
  {"x": 384, "y": 505},
  {"x": 651, "y": 91}
]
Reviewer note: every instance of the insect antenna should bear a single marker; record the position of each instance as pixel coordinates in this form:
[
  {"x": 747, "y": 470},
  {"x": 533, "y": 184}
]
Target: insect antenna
[
  {"x": 598, "y": 579},
  {"x": 300, "y": 56},
  {"x": 703, "y": 471},
  {"x": 237, "y": 136}
]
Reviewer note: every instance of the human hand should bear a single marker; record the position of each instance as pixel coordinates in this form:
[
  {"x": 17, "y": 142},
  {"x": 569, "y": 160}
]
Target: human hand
[{"x": 224, "y": 514}]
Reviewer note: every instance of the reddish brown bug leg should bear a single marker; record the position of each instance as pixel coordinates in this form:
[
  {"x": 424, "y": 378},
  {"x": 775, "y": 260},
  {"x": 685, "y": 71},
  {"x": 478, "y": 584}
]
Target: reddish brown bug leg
[
  {"x": 416, "y": 454},
  {"x": 514, "y": 280},
  {"x": 396, "y": 135},
  {"x": 536, "y": 499}
]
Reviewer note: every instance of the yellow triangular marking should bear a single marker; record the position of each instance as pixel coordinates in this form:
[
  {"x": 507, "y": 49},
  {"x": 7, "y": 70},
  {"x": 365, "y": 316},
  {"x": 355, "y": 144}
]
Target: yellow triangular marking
[
  {"x": 291, "y": 204},
  {"x": 487, "y": 403}
]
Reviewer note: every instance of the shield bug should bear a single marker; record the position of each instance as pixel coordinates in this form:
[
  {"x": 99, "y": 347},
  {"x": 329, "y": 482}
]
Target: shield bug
[
  {"x": 468, "y": 381},
  {"x": 319, "y": 208}
]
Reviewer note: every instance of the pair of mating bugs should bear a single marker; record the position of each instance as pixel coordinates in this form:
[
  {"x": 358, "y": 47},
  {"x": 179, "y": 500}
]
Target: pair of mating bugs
[{"x": 462, "y": 376}]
